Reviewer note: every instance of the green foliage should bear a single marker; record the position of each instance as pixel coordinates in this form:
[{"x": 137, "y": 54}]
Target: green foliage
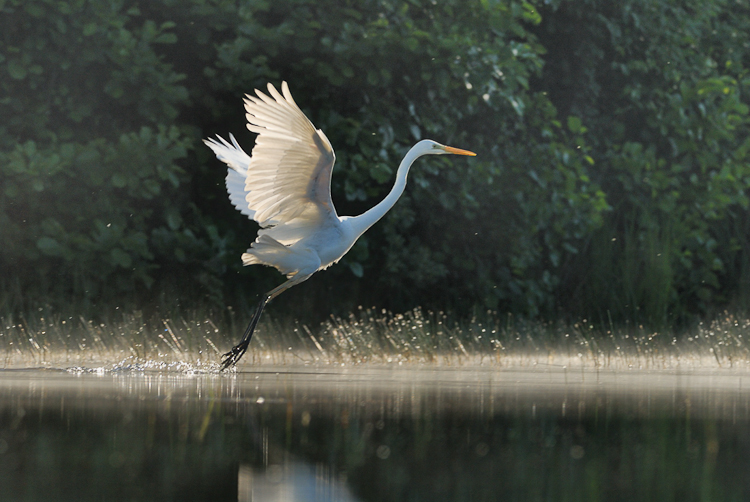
[
  {"x": 664, "y": 85},
  {"x": 100, "y": 196},
  {"x": 89, "y": 157},
  {"x": 379, "y": 76},
  {"x": 611, "y": 178}
]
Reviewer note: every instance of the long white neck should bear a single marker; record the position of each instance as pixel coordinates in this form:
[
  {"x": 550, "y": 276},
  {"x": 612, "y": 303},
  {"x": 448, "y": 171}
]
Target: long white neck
[{"x": 361, "y": 223}]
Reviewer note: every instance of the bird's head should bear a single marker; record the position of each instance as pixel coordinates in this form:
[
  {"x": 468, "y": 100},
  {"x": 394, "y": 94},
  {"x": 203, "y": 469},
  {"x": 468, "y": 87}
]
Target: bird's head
[{"x": 429, "y": 147}]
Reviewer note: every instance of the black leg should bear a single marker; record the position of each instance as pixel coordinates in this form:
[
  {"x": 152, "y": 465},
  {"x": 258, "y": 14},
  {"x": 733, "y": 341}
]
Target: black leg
[{"x": 234, "y": 355}]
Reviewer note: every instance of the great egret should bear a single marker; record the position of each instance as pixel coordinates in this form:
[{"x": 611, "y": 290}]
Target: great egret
[{"x": 286, "y": 187}]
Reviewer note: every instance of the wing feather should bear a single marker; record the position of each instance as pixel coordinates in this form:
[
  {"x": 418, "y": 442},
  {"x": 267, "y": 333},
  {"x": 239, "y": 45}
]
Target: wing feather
[{"x": 288, "y": 176}]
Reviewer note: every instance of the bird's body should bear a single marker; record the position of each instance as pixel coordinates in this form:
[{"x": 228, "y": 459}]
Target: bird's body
[{"x": 286, "y": 187}]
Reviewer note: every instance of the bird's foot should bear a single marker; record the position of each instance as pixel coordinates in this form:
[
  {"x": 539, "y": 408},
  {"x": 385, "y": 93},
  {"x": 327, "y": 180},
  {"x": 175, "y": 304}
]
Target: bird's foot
[{"x": 234, "y": 355}]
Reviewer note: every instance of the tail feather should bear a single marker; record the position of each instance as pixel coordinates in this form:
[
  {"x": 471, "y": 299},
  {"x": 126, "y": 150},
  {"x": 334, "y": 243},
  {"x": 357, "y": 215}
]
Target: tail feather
[{"x": 268, "y": 251}]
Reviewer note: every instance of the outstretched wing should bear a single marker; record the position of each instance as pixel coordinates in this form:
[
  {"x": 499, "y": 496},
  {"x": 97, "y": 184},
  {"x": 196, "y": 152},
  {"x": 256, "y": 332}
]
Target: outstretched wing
[
  {"x": 235, "y": 157},
  {"x": 288, "y": 176}
]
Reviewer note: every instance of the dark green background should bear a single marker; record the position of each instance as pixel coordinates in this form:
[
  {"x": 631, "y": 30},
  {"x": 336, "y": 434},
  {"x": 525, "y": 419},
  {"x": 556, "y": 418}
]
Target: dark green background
[{"x": 612, "y": 138}]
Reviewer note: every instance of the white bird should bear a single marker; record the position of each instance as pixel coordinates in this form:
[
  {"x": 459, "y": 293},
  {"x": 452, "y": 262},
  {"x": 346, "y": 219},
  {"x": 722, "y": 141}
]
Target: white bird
[{"x": 286, "y": 187}]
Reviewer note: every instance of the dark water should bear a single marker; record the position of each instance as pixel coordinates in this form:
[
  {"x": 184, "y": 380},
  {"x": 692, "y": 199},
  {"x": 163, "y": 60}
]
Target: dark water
[{"x": 374, "y": 434}]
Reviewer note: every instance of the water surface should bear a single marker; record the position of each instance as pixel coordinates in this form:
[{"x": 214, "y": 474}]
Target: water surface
[{"x": 375, "y": 433}]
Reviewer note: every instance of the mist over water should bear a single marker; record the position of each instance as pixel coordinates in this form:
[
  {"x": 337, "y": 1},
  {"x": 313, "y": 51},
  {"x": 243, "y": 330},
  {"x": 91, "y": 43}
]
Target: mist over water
[
  {"x": 367, "y": 337},
  {"x": 373, "y": 407}
]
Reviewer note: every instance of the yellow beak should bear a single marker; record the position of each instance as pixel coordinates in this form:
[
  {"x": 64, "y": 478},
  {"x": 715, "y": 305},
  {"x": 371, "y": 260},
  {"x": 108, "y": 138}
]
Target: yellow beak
[{"x": 458, "y": 151}]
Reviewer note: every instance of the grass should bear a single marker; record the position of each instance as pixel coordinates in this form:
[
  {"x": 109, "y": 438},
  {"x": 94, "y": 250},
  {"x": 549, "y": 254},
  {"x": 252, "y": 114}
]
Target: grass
[{"x": 195, "y": 343}]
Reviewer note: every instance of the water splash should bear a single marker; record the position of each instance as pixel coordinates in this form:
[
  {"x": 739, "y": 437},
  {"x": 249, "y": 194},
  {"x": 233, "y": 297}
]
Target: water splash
[{"x": 368, "y": 337}]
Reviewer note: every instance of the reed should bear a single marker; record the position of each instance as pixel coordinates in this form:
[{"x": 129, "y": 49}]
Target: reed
[{"x": 194, "y": 342}]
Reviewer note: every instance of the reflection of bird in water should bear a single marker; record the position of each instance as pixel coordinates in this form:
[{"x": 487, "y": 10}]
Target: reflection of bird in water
[
  {"x": 292, "y": 481},
  {"x": 286, "y": 187}
]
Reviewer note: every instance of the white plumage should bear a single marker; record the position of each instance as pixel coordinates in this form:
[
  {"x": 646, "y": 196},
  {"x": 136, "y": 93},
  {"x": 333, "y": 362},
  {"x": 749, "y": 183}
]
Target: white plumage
[{"x": 286, "y": 187}]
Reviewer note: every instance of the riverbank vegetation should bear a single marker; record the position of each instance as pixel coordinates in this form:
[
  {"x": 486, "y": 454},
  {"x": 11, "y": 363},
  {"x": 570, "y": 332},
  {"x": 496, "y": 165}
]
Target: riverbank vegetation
[
  {"x": 194, "y": 343},
  {"x": 611, "y": 181}
]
